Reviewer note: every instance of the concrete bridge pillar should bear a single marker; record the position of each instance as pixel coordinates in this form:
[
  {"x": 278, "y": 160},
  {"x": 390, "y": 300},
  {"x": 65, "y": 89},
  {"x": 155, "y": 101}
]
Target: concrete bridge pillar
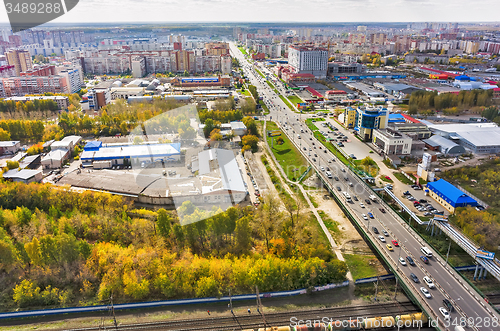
[
  {"x": 432, "y": 231},
  {"x": 475, "y": 272},
  {"x": 485, "y": 273},
  {"x": 480, "y": 273}
]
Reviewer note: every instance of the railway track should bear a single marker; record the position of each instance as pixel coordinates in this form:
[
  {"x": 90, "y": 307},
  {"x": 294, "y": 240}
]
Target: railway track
[{"x": 272, "y": 319}]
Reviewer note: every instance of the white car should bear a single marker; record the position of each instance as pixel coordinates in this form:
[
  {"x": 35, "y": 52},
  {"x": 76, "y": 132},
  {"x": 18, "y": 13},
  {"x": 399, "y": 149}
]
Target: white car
[
  {"x": 365, "y": 217},
  {"x": 402, "y": 261},
  {"x": 429, "y": 282},
  {"x": 322, "y": 169},
  {"x": 362, "y": 205},
  {"x": 445, "y": 313},
  {"x": 382, "y": 239},
  {"x": 425, "y": 292}
]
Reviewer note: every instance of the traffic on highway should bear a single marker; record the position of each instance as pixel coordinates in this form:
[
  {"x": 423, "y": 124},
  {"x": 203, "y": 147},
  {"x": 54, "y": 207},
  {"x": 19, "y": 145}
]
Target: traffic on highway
[{"x": 439, "y": 290}]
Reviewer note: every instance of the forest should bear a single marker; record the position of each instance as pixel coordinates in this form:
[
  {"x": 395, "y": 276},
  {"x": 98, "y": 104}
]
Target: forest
[
  {"x": 120, "y": 118},
  {"x": 426, "y": 101},
  {"x": 61, "y": 248},
  {"x": 483, "y": 181}
]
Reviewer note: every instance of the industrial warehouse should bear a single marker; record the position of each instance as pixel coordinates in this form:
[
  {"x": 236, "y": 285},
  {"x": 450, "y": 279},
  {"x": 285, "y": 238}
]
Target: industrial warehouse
[{"x": 134, "y": 155}]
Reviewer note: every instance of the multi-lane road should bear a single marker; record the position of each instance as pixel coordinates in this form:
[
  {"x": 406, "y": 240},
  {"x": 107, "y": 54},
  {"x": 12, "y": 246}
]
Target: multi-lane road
[{"x": 468, "y": 304}]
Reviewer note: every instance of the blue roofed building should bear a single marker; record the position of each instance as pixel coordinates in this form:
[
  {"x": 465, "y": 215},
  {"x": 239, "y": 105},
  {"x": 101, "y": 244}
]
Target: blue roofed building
[
  {"x": 396, "y": 118},
  {"x": 449, "y": 196}
]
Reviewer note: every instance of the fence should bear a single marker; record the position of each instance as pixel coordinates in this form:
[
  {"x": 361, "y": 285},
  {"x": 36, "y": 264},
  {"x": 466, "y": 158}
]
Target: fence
[{"x": 150, "y": 304}]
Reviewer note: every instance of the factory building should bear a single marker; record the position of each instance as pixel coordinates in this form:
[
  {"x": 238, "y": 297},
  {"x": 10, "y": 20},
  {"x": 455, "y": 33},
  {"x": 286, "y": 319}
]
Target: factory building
[{"x": 135, "y": 155}]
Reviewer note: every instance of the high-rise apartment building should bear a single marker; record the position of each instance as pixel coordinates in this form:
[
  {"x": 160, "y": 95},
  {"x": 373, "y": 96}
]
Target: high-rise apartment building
[
  {"x": 217, "y": 48},
  {"x": 378, "y": 38},
  {"x": 308, "y": 59},
  {"x": 20, "y": 59}
]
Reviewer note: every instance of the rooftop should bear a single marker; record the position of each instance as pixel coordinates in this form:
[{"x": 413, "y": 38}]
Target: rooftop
[
  {"x": 24, "y": 174},
  {"x": 450, "y": 193}
]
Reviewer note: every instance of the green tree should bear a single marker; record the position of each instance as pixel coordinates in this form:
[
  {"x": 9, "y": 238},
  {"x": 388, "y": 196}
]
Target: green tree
[
  {"x": 12, "y": 165},
  {"x": 4, "y": 135},
  {"x": 243, "y": 235},
  {"x": 163, "y": 221},
  {"x": 26, "y": 293}
]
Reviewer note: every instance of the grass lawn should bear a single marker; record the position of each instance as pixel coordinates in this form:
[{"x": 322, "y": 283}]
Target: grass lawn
[
  {"x": 388, "y": 163},
  {"x": 270, "y": 84},
  {"x": 285, "y": 100},
  {"x": 296, "y": 100},
  {"x": 330, "y": 224},
  {"x": 290, "y": 159},
  {"x": 332, "y": 148},
  {"x": 246, "y": 93},
  {"x": 264, "y": 107},
  {"x": 313, "y": 201},
  {"x": 402, "y": 178},
  {"x": 260, "y": 73},
  {"x": 386, "y": 180},
  {"x": 360, "y": 266},
  {"x": 243, "y": 50}
]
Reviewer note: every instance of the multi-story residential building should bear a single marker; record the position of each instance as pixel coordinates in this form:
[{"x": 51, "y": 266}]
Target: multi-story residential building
[
  {"x": 62, "y": 102},
  {"x": 217, "y": 48},
  {"x": 138, "y": 67},
  {"x": 20, "y": 59},
  {"x": 158, "y": 64},
  {"x": 7, "y": 71},
  {"x": 73, "y": 77},
  {"x": 107, "y": 65},
  {"x": 378, "y": 38},
  {"x": 20, "y": 86},
  {"x": 308, "y": 59},
  {"x": 226, "y": 64},
  {"x": 43, "y": 70}
]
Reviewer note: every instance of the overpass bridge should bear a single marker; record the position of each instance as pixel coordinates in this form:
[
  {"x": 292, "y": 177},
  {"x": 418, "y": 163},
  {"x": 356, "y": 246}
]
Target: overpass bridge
[{"x": 491, "y": 265}]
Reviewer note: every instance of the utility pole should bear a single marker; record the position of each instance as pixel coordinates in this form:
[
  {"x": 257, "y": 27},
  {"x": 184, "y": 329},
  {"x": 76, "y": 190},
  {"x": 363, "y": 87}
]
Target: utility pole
[
  {"x": 448, "y": 253},
  {"x": 376, "y": 288},
  {"x": 113, "y": 311},
  {"x": 231, "y": 308},
  {"x": 396, "y": 289},
  {"x": 259, "y": 305}
]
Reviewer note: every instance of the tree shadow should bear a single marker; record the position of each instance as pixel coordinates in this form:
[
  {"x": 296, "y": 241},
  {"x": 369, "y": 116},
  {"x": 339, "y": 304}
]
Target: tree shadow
[{"x": 283, "y": 151}]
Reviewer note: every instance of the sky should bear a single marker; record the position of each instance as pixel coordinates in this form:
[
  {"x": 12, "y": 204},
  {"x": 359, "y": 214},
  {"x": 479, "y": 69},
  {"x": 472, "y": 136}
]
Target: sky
[{"x": 130, "y": 11}]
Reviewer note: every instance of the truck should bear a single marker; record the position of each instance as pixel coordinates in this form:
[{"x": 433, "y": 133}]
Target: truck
[{"x": 373, "y": 198}]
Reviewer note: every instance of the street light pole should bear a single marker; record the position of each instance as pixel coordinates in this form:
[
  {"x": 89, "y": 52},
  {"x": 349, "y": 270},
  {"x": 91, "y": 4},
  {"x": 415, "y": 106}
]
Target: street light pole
[{"x": 447, "y": 254}]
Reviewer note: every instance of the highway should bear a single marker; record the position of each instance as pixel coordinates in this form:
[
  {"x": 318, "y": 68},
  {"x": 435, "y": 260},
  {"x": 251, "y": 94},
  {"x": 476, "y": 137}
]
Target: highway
[{"x": 467, "y": 302}]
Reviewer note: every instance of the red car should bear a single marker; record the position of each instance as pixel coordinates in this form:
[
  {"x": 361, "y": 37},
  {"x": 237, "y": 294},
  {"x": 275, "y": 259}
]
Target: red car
[
  {"x": 395, "y": 243},
  {"x": 387, "y": 177},
  {"x": 382, "y": 210},
  {"x": 416, "y": 203}
]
